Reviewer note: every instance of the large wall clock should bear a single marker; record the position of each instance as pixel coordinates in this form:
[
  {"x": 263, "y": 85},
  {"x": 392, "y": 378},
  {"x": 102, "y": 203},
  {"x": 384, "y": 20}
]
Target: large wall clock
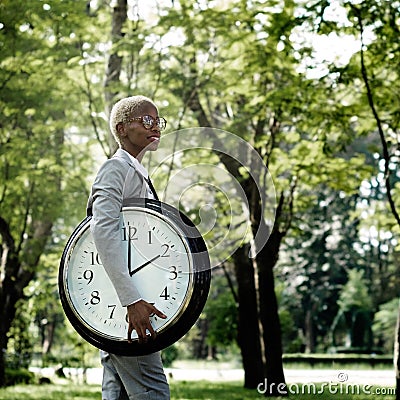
[{"x": 166, "y": 257}]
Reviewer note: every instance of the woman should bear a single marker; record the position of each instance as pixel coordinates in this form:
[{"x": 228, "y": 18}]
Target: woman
[{"x": 136, "y": 126}]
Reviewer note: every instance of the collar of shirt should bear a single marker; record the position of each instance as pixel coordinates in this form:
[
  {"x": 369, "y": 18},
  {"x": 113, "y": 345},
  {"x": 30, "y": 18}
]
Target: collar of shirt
[{"x": 138, "y": 166}]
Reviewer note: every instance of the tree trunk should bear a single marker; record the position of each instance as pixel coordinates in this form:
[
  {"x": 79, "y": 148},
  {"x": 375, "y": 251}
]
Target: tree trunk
[
  {"x": 3, "y": 344},
  {"x": 114, "y": 65},
  {"x": 397, "y": 356},
  {"x": 9, "y": 295},
  {"x": 267, "y": 254},
  {"x": 7, "y": 314},
  {"x": 248, "y": 324},
  {"x": 11, "y": 291},
  {"x": 49, "y": 330},
  {"x": 309, "y": 330},
  {"x": 19, "y": 261},
  {"x": 265, "y": 261},
  {"x": 17, "y": 277},
  {"x": 269, "y": 317}
]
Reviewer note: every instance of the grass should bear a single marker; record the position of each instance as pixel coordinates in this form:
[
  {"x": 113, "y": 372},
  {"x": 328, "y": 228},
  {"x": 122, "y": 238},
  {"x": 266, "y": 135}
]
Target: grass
[
  {"x": 199, "y": 390},
  {"x": 50, "y": 392}
]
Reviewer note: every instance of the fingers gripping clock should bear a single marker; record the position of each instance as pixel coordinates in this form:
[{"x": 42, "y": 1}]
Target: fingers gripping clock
[{"x": 166, "y": 257}]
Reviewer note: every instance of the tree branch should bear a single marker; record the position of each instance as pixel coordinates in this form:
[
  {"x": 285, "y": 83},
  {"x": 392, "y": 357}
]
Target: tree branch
[
  {"x": 370, "y": 97},
  {"x": 5, "y": 233},
  {"x": 91, "y": 108}
]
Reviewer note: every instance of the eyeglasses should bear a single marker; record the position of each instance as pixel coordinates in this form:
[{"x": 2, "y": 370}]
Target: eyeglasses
[{"x": 148, "y": 122}]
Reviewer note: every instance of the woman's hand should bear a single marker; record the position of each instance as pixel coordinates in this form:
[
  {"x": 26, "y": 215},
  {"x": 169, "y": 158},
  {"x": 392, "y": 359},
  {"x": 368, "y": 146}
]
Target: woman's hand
[{"x": 139, "y": 315}]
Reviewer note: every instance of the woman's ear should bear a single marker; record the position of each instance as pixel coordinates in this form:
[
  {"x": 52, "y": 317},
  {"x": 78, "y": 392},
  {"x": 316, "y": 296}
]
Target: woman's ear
[{"x": 121, "y": 129}]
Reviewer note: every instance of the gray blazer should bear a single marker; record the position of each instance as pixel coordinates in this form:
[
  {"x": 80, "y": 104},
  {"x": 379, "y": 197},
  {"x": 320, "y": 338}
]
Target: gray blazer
[{"x": 119, "y": 178}]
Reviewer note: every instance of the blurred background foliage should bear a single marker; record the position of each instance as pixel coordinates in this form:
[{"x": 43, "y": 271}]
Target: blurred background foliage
[{"x": 313, "y": 86}]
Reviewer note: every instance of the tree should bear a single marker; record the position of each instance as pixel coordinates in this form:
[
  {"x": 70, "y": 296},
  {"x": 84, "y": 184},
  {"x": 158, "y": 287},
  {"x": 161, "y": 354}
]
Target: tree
[
  {"x": 389, "y": 148},
  {"x": 316, "y": 258},
  {"x": 355, "y": 306},
  {"x": 36, "y": 164},
  {"x": 373, "y": 74},
  {"x": 240, "y": 67},
  {"x": 241, "y": 81}
]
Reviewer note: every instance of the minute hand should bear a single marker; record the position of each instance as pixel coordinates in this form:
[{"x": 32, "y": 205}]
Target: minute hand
[{"x": 144, "y": 265}]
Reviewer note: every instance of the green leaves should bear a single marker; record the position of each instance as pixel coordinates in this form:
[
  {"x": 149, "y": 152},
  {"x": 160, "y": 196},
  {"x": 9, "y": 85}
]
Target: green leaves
[
  {"x": 241, "y": 61},
  {"x": 354, "y": 294}
]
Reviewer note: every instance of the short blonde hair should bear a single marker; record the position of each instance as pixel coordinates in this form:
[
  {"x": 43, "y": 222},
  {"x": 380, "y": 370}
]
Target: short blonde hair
[{"x": 127, "y": 108}]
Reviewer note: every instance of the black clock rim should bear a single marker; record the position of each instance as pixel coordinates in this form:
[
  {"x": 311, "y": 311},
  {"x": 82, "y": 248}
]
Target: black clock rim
[{"x": 177, "y": 329}]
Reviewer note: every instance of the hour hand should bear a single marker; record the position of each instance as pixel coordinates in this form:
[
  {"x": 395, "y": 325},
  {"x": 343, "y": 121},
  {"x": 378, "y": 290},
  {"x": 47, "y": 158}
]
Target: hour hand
[{"x": 142, "y": 266}]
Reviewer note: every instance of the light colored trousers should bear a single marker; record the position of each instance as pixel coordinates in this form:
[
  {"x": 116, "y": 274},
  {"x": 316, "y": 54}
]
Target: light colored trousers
[{"x": 133, "y": 378}]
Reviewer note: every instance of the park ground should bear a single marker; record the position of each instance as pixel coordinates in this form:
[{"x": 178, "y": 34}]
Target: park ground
[
  {"x": 219, "y": 381},
  {"x": 223, "y": 372}
]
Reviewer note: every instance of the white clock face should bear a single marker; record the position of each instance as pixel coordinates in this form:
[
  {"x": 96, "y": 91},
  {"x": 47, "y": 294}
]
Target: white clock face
[{"x": 158, "y": 261}]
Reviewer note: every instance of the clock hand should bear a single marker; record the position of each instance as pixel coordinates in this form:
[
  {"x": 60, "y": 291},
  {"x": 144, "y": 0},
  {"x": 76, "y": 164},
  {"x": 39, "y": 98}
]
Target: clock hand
[
  {"x": 130, "y": 258},
  {"x": 143, "y": 265}
]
